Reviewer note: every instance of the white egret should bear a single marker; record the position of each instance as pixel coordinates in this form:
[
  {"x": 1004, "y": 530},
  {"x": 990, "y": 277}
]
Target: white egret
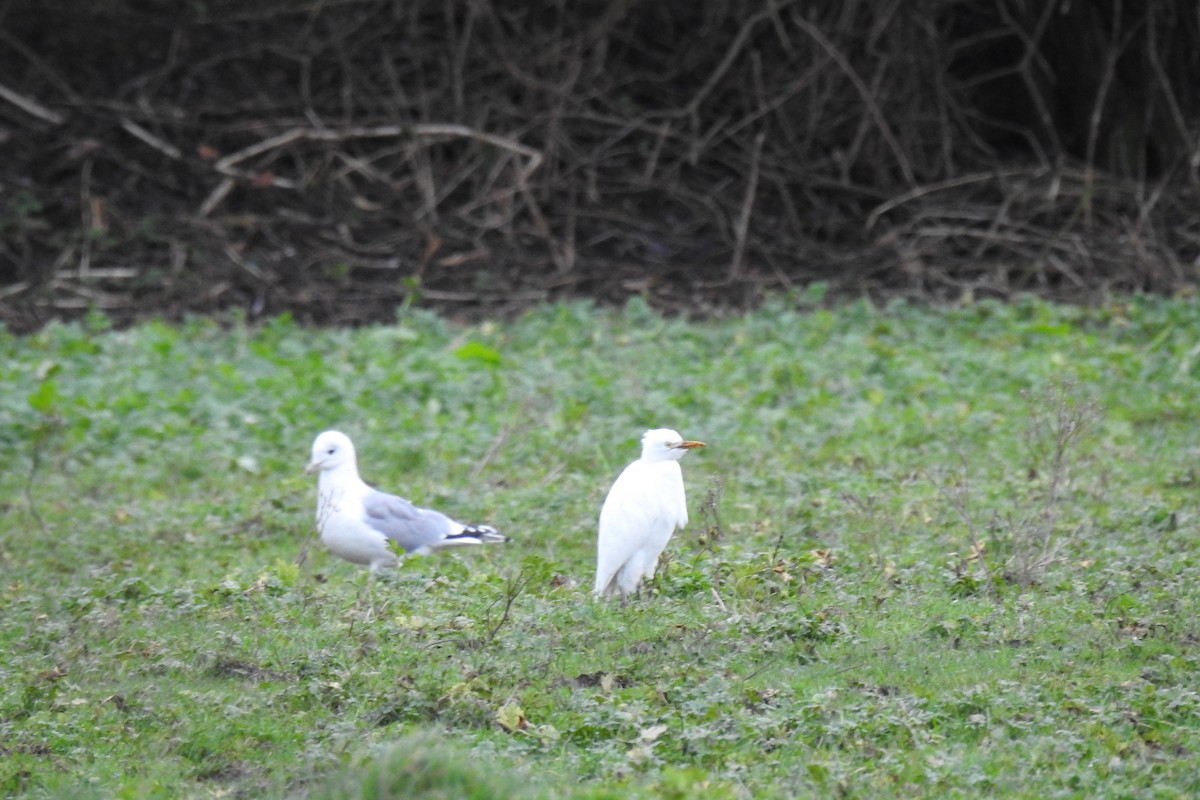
[{"x": 643, "y": 509}]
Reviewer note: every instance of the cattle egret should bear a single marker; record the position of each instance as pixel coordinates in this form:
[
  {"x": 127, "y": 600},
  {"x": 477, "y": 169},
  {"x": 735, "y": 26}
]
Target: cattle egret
[
  {"x": 644, "y": 507},
  {"x": 366, "y": 526}
]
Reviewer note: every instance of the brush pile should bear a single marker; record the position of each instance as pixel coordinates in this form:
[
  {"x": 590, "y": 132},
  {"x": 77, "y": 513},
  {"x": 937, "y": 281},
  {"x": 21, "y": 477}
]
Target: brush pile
[{"x": 338, "y": 158}]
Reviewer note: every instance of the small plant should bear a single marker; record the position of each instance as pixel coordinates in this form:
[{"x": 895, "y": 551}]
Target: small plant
[
  {"x": 710, "y": 511},
  {"x": 1028, "y": 535},
  {"x": 1058, "y": 422},
  {"x": 514, "y": 585},
  {"x": 46, "y": 402}
]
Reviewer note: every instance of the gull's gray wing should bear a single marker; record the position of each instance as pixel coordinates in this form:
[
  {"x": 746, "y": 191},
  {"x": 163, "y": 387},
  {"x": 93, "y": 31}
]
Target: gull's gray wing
[{"x": 410, "y": 527}]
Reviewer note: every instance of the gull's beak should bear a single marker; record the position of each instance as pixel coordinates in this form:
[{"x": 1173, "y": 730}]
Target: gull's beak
[{"x": 687, "y": 445}]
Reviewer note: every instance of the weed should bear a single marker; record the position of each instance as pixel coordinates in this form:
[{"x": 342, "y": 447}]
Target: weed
[
  {"x": 1024, "y": 528},
  {"x": 1058, "y": 424}
]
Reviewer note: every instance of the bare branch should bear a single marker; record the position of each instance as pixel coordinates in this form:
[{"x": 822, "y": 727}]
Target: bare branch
[
  {"x": 868, "y": 98},
  {"x": 31, "y": 107},
  {"x": 167, "y": 149}
]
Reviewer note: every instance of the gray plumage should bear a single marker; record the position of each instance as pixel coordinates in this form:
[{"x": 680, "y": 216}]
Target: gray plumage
[{"x": 417, "y": 530}]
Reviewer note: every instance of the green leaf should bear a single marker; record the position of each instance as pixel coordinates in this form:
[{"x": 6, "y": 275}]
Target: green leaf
[
  {"x": 479, "y": 352},
  {"x": 45, "y": 397}
]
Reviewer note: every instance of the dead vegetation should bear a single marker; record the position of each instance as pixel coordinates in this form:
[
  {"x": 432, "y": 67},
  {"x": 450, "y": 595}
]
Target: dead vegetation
[
  {"x": 1032, "y": 533},
  {"x": 336, "y": 159}
]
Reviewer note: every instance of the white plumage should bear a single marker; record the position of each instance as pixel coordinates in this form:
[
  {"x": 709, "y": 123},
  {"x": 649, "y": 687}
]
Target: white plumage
[
  {"x": 643, "y": 509},
  {"x": 367, "y": 526}
]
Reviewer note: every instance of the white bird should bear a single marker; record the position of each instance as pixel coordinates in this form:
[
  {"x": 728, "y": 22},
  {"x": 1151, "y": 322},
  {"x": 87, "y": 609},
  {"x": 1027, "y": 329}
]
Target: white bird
[
  {"x": 644, "y": 507},
  {"x": 366, "y": 526}
]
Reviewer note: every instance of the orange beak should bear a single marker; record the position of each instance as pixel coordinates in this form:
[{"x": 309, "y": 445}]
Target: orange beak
[{"x": 687, "y": 445}]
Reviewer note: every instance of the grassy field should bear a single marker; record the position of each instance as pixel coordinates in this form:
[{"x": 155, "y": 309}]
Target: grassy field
[{"x": 933, "y": 553}]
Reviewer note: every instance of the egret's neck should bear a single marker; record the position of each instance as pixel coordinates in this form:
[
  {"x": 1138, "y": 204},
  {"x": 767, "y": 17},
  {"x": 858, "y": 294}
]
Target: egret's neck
[{"x": 658, "y": 455}]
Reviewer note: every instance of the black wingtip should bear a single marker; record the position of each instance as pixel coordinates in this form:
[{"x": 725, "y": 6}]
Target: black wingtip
[{"x": 484, "y": 534}]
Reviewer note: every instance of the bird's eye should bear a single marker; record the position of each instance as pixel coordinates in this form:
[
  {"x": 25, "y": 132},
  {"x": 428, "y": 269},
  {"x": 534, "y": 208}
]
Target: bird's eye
[{"x": 332, "y": 450}]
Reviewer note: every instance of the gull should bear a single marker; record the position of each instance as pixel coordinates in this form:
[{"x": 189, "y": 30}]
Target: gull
[
  {"x": 366, "y": 526},
  {"x": 644, "y": 507}
]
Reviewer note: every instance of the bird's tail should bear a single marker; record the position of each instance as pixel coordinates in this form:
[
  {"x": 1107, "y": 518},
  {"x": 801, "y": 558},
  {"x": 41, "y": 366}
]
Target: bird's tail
[{"x": 476, "y": 534}]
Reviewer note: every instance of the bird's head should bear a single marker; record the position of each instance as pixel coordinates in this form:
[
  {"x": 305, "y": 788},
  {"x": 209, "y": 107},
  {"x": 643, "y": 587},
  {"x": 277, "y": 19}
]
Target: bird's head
[
  {"x": 663, "y": 444},
  {"x": 330, "y": 450}
]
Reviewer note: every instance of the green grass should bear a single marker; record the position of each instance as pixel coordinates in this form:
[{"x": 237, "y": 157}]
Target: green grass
[{"x": 891, "y": 585}]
